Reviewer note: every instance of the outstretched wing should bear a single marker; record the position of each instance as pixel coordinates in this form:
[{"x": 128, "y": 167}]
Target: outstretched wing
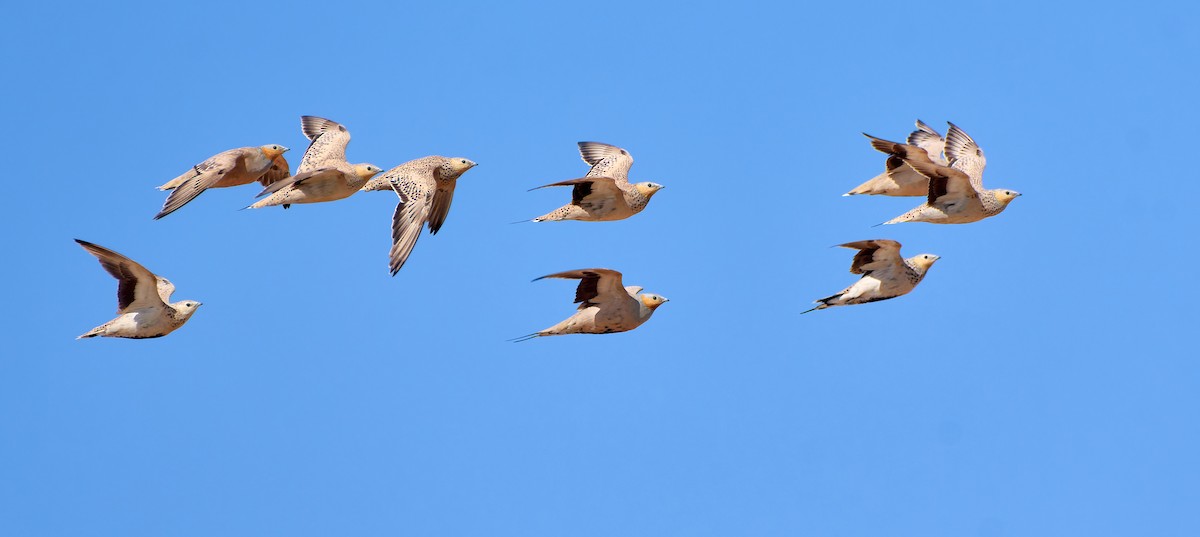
[
  {"x": 137, "y": 288},
  {"x": 874, "y": 255},
  {"x": 947, "y": 185},
  {"x": 606, "y": 160},
  {"x": 928, "y": 139},
  {"x": 965, "y": 155},
  {"x": 329, "y": 141},
  {"x": 597, "y": 286}
]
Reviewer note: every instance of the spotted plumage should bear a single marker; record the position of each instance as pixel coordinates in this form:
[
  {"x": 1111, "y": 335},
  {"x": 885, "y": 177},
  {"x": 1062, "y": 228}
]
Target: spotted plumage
[
  {"x": 605, "y": 193},
  {"x": 323, "y": 175},
  {"x": 234, "y": 167},
  {"x": 884, "y": 274},
  {"x": 605, "y": 305},
  {"x": 426, "y": 188},
  {"x": 142, "y": 307}
]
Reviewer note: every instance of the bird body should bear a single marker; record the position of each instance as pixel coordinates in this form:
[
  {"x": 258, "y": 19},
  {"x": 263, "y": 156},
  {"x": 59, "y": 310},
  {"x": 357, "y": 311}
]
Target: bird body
[
  {"x": 234, "y": 167},
  {"x": 605, "y": 193},
  {"x": 323, "y": 174},
  {"x": 426, "y": 189},
  {"x": 142, "y": 307},
  {"x": 605, "y": 305},
  {"x": 955, "y": 193},
  {"x": 885, "y": 274},
  {"x": 899, "y": 179},
  {"x": 337, "y": 181}
]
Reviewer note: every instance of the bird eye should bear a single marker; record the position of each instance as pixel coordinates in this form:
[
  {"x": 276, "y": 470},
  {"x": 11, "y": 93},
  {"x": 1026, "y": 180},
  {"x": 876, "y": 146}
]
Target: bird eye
[{"x": 464, "y": 162}]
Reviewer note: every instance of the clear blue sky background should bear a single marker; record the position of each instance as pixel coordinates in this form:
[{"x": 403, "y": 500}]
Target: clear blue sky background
[{"x": 1041, "y": 381}]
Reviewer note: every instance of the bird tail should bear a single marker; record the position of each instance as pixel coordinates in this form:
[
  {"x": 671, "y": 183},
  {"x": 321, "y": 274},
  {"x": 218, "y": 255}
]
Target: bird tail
[
  {"x": 526, "y": 337},
  {"x": 99, "y": 330},
  {"x": 821, "y": 303}
]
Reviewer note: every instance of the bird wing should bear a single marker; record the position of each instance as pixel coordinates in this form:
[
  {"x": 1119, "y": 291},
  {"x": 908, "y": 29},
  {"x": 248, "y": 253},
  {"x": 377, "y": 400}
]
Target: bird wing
[
  {"x": 440, "y": 206},
  {"x": 416, "y": 198},
  {"x": 329, "y": 141},
  {"x": 137, "y": 288},
  {"x": 206, "y": 174},
  {"x": 599, "y": 195},
  {"x": 165, "y": 289},
  {"x": 319, "y": 174},
  {"x": 946, "y": 185},
  {"x": 964, "y": 154},
  {"x": 874, "y": 255},
  {"x": 597, "y": 286},
  {"x": 278, "y": 171},
  {"x": 928, "y": 139},
  {"x": 606, "y": 160}
]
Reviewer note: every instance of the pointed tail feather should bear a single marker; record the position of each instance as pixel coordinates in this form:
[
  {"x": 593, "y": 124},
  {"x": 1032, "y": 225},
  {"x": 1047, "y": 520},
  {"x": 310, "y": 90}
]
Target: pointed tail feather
[{"x": 526, "y": 337}]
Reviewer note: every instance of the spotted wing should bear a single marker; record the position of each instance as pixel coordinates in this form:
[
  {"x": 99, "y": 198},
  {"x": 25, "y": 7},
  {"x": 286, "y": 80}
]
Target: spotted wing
[
  {"x": 329, "y": 141},
  {"x": 964, "y": 154},
  {"x": 416, "y": 198},
  {"x": 606, "y": 160}
]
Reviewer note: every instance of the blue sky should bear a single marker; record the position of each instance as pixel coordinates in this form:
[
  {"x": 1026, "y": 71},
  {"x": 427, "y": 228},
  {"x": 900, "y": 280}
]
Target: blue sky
[{"x": 1041, "y": 380}]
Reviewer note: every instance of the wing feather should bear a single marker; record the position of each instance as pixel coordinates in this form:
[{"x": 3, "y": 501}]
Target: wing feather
[{"x": 137, "y": 287}]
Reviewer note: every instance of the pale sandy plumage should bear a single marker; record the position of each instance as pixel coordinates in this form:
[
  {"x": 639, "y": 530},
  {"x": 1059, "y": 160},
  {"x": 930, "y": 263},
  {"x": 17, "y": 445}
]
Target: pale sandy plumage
[
  {"x": 605, "y": 305},
  {"x": 899, "y": 179},
  {"x": 235, "y": 167},
  {"x": 955, "y": 193},
  {"x": 323, "y": 174},
  {"x": 605, "y": 193},
  {"x": 885, "y": 274},
  {"x": 426, "y": 188},
  {"x": 143, "y": 310}
]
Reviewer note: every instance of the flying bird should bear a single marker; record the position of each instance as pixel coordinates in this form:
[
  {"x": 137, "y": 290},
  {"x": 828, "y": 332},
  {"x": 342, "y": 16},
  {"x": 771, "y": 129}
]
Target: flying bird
[
  {"x": 899, "y": 179},
  {"x": 324, "y": 174},
  {"x": 142, "y": 307},
  {"x": 426, "y": 188},
  {"x": 884, "y": 274},
  {"x": 235, "y": 167},
  {"x": 605, "y": 305},
  {"x": 605, "y": 193},
  {"x": 956, "y": 194}
]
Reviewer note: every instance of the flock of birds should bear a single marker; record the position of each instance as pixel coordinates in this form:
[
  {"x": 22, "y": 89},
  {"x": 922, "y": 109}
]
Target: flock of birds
[{"x": 948, "y": 171}]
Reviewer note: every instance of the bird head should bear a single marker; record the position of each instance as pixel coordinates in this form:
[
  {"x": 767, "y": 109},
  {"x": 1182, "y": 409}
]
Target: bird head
[
  {"x": 366, "y": 171},
  {"x": 1005, "y": 196},
  {"x": 652, "y": 301},
  {"x": 647, "y": 188},
  {"x": 186, "y": 307},
  {"x": 273, "y": 150},
  {"x": 456, "y": 166},
  {"x": 923, "y": 261}
]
